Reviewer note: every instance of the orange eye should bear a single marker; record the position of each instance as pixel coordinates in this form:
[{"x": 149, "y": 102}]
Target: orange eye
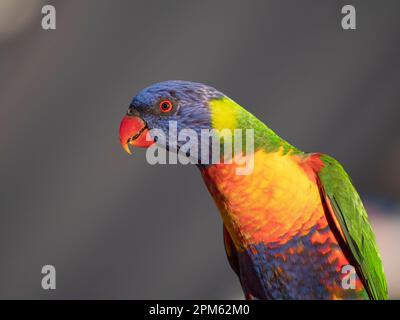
[{"x": 166, "y": 106}]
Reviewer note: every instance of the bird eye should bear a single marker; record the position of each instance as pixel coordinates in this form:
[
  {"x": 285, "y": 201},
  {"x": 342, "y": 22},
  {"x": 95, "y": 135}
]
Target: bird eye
[
  {"x": 166, "y": 106},
  {"x": 130, "y": 111}
]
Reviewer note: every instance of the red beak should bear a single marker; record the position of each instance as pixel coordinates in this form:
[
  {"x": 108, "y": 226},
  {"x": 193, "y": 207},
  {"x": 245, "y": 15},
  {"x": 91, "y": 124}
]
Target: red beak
[{"x": 133, "y": 131}]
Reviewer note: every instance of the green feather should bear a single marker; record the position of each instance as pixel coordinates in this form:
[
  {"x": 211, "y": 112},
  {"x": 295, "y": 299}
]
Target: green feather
[
  {"x": 227, "y": 114},
  {"x": 353, "y": 221}
]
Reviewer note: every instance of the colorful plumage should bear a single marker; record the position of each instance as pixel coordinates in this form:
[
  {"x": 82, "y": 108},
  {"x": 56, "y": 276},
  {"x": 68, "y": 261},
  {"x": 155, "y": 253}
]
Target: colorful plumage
[{"x": 293, "y": 223}]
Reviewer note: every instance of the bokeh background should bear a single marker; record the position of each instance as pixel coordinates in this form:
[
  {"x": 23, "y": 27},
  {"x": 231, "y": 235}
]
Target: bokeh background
[{"x": 117, "y": 227}]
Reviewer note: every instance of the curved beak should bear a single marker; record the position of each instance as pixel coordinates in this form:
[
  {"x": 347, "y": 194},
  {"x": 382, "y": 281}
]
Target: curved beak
[{"x": 133, "y": 131}]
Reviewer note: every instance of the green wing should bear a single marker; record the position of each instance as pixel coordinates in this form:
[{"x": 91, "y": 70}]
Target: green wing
[{"x": 352, "y": 219}]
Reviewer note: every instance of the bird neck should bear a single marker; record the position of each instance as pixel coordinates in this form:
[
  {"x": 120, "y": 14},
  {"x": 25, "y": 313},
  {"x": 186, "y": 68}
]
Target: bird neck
[{"x": 227, "y": 114}]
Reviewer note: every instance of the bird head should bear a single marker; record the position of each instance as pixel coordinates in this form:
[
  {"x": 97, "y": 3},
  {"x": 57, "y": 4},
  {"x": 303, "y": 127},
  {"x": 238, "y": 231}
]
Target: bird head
[{"x": 184, "y": 103}]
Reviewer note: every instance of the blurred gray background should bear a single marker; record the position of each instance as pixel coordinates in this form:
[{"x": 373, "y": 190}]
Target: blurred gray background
[{"x": 117, "y": 227}]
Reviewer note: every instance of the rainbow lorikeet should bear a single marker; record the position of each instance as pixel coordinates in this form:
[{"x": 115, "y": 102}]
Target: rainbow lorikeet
[{"x": 293, "y": 224}]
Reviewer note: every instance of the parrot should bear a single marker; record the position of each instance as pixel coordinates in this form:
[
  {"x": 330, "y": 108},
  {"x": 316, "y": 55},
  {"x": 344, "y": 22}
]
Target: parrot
[{"x": 294, "y": 227}]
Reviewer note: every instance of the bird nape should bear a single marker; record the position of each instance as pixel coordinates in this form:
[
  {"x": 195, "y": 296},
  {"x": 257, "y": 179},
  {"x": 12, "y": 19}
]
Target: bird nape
[{"x": 294, "y": 225}]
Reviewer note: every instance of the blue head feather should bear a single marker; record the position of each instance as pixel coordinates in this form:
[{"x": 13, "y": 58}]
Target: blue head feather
[{"x": 191, "y": 104}]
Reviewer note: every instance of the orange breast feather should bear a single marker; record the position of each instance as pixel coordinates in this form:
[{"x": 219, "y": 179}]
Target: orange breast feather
[{"x": 277, "y": 201}]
